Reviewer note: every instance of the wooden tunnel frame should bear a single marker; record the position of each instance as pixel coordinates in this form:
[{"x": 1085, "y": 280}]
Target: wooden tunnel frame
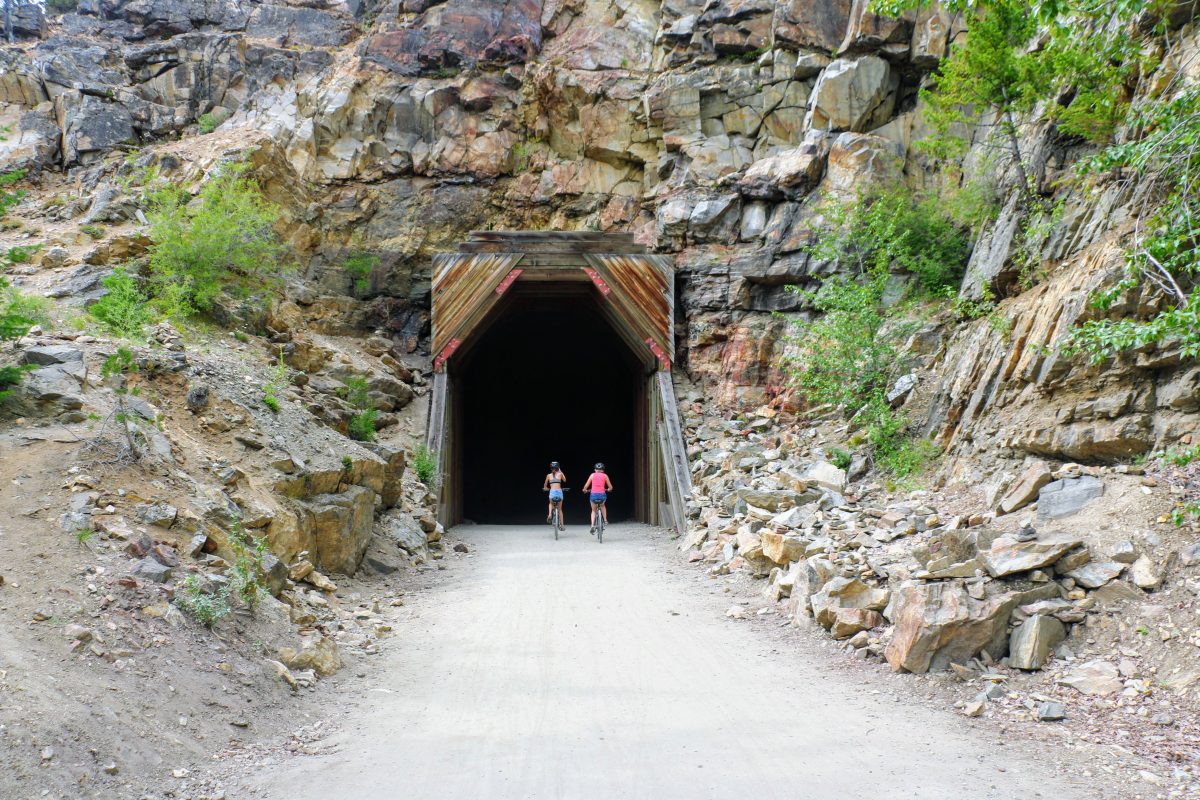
[{"x": 633, "y": 291}]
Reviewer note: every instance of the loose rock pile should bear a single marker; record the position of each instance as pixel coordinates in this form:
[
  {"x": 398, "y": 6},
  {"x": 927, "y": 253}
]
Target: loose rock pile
[{"x": 891, "y": 575}]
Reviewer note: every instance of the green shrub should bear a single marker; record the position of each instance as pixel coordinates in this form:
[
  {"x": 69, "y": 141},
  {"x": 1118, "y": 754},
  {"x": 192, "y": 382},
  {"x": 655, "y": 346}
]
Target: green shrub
[
  {"x": 31, "y": 308},
  {"x": 846, "y": 358},
  {"x": 362, "y": 424},
  {"x": 122, "y": 310},
  {"x": 22, "y": 253},
  {"x": 207, "y": 123},
  {"x": 14, "y": 323},
  {"x": 425, "y": 464},
  {"x": 115, "y": 370},
  {"x": 222, "y": 242},
  {"x": 840, "y": 458},
  {"x": 206, "y": 606},
  {"x": 94, "y": 231},
  {"x": 274, "y": 384},
  {"x": 1162, "y": 259},
  {"x": 246, "y": 572},
  {"x": 841, "y": 359},
  {"x": 9, "y": 198},
  {"x": 896, "y": 230},
  {"x": 1179, "y": 456},
  {"x": 359, "y": 266},
  {"x": 10, "y": 378},
  {"x": 892, "y": 448}
]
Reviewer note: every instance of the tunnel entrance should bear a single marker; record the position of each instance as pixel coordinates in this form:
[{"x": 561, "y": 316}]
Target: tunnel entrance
[
  {"x": 554, "y": 346},
  {"x": 550, "y": 380}
]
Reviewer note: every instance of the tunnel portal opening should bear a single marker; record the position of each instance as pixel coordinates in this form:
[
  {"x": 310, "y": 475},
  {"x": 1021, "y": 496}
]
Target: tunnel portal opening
[
  {"x": 554, "y": 345},
  {"x": 550, "y": 379}
]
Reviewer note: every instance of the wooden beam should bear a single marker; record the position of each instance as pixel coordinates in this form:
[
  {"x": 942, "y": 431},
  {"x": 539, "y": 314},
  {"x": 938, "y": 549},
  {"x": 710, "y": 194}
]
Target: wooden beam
[{"x": 679, "y": 475}]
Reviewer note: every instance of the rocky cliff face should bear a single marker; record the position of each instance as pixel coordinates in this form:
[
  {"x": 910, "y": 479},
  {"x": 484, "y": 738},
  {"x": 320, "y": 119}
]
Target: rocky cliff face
[{"x": 713, "y": 129}]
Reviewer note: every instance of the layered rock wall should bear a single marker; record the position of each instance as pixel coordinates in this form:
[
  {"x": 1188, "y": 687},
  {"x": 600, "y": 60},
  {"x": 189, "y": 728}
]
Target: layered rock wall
[{"x": 713, "y": 130}]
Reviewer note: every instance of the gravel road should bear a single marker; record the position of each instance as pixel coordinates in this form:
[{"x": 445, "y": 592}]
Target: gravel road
[{"x": 581, "y": 671}]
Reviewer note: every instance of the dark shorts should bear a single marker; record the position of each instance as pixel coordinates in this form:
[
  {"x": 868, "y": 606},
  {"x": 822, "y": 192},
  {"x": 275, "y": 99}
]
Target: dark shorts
[{"x": 598, "y": 497}]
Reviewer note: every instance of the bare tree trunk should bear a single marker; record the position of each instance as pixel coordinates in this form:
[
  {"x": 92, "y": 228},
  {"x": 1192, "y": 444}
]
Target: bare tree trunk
[
  {"x": 1010, "y": 128},
  {"x": 8, "y": 23}
]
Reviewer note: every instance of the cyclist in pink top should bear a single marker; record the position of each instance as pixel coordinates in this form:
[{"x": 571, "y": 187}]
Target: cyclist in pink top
[{"x": 599, "y": 486}]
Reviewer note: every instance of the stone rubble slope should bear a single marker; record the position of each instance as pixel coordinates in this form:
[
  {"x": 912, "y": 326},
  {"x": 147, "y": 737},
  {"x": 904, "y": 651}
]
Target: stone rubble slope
[
  {"x": 344, "y": 521},
  {"x": 1044, "y": 617}
]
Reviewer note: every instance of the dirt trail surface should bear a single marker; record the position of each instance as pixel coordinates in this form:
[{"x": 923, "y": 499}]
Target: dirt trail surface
[{"x": 574, "y": 670}]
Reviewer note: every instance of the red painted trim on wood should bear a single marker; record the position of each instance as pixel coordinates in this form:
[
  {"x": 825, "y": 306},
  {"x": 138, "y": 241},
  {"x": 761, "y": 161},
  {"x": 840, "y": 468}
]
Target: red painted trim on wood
[
  {"x": 663, "y": 361},
  {"x": 508, "y": 281},
  {"x": 601, "y": 284},
  {"x": 447, "y": 351}
]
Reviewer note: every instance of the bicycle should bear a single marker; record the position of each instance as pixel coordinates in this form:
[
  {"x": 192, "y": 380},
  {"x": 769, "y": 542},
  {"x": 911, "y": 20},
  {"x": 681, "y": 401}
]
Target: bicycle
[
  {"x": 556, "y": 514},
  {"x": 600, "y": 523}
]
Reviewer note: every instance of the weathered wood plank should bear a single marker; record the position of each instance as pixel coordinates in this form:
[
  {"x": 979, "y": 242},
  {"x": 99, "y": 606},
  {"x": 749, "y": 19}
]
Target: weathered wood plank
[
  {"x": 551, "y": 247},
  {"x": 678, "y": 519},
  {"x": 623, "y": 237},
  {"x": 678, "y": 472},
  {"x": 436, "y": 430}
]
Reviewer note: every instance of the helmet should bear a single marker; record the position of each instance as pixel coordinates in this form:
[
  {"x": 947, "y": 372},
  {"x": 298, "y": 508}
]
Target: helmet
[
  {"x": 553, "y": 465},
  {"x": 600, "y": 465}
]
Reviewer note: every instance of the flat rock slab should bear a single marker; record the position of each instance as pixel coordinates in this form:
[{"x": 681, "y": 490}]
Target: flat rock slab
[
  {"x": 46, "y": 355},
  {"x": 1067, "y": 496},
  {"x": 1008, "y": 556},
  {"x": 1097, "y": 678},
  {"x": 1096, "y": 574},
  {"x": 1026, "y": 488}
]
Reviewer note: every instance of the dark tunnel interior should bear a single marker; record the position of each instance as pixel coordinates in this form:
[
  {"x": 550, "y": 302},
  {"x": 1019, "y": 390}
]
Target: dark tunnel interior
[{"x": 549, "y": 380}]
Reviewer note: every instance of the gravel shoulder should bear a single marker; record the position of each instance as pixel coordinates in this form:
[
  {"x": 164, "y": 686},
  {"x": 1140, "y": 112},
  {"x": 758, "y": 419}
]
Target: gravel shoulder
[{"x": 543, "y": 669}]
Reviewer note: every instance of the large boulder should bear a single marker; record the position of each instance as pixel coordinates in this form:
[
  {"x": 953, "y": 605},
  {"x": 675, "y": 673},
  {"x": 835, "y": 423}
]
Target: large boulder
[
  {"x": 341, "y": 525},
  {"x": 853, "y": 95},
  {"x": 825, "y": 475},
  {"x": 791, "y": 174},
  {"x": 459, "y": 34},
  {"x": 849, "y": 621},
  {"x": 91, "y": 126},
  {"x": 938, "y": 624},
  {"x": 1096, "y": 574},
  {"x": 300, "y": 26},
  {"x": 819, "y": 26},
  {"x": 47, "y": 355},
  {"x": 860, "y": 161}
]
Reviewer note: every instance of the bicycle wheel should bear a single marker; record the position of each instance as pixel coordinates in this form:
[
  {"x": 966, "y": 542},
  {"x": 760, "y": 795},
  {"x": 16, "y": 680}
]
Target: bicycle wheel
[
  {"x": 554, "y": 521},
  {"x": 600, "y": 525}
]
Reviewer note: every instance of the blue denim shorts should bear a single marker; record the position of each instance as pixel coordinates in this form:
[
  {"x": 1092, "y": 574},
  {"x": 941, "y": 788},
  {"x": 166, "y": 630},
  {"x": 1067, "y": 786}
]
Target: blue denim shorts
[
  {"x": 598, "y": 497},
  {"x": 555, "y": 495}
]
